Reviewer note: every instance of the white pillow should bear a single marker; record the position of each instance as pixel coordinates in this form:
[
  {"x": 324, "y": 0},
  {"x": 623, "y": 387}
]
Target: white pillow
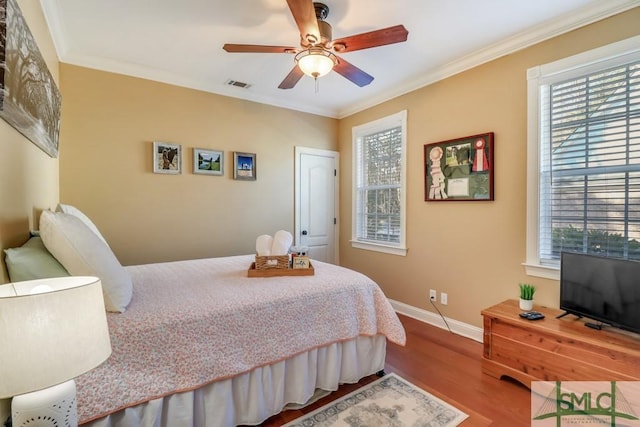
[
  {"x": 83, "y": 253},
  {"x": 72, "y": 210}
]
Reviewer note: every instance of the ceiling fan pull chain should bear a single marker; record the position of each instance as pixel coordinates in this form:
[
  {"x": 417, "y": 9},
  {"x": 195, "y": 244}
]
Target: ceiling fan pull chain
[{"x": 317, "y": 85}]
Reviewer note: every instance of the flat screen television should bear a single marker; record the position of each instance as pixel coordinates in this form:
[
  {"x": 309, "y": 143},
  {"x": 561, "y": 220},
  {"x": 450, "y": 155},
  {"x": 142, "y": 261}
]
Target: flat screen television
[{"x": 602, "y": 289}]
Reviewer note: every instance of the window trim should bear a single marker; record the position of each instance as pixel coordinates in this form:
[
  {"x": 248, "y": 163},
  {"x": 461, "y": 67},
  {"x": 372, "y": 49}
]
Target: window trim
[
  {"x": 393, "y": 120},
  {"x": 538, "y": 77}
]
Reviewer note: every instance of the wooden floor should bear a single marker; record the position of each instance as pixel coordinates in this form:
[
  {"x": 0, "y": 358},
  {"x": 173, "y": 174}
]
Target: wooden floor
[{"x": 447, "y": 366}]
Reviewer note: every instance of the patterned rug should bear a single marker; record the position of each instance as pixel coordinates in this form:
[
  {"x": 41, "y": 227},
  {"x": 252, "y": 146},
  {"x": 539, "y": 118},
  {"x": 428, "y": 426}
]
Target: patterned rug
[{"x": 390, "y": 401}]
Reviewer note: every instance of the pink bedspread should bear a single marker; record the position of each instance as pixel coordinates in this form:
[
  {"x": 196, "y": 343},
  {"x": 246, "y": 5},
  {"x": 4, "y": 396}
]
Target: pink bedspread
[{"x": 198, "y": 321}]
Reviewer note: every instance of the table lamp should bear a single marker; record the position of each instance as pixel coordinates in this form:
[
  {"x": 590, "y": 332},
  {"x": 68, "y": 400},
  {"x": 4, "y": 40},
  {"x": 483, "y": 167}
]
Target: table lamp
[{"x": 51, "y": 330}]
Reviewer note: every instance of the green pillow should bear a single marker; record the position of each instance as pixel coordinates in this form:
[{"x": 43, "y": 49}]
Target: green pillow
[{"x": 32, "y": 261}]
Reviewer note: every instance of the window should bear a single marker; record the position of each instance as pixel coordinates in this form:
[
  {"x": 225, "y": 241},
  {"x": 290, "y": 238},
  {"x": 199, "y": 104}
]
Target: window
[
  {"x": 584, "y": 157},
  {"x": 379, "y": 169}
]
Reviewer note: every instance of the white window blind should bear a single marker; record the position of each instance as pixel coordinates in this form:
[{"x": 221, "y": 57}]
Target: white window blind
[
  {"x": 589, "y": 188},
  {"x": 379, "y": 170}
]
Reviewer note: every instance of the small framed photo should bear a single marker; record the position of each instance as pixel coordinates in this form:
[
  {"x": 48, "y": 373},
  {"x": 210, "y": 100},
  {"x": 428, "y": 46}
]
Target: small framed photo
[
  {"x": 244, "y": 166},
  {"x": 167, "y": 158},
  {"x": 301, "y": 262},
  {"x": 208, "y": 162}
]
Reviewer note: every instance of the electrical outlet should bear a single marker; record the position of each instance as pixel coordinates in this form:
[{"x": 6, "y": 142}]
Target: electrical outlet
[
  {"x": 432, "y": 295},
  {"x": 444, "y": 299}
]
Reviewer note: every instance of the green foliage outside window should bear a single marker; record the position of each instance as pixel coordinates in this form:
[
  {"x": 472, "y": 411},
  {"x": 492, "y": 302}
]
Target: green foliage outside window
[{"x": 597, "y": 242}]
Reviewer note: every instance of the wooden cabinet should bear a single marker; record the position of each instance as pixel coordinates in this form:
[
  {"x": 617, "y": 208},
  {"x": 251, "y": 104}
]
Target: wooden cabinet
[{"x": 555, "y": 349}]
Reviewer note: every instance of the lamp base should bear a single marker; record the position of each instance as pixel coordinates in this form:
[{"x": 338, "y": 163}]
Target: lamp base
[{"x": 53, "y": 406}]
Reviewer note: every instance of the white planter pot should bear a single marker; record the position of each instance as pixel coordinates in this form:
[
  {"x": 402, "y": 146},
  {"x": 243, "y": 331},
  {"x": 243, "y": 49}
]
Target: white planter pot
[{"x": 526, "y": 304}]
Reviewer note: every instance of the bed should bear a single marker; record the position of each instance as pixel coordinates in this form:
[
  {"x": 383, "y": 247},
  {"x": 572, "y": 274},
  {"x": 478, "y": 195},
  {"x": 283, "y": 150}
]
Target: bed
[{"x": 199, "y": 343}]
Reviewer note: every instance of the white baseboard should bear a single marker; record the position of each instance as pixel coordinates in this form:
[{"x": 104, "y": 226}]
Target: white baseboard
[{"x": 434, "y": 319}]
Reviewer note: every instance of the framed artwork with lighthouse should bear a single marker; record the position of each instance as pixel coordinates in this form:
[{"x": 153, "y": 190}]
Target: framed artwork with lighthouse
[{"x": 459, "y": 169}]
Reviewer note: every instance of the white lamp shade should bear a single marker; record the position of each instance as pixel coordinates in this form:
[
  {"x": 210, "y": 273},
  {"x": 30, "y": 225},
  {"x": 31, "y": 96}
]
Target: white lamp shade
[
  {"x": 316, "y": 62},
  {"x": 52, "y": 330}
]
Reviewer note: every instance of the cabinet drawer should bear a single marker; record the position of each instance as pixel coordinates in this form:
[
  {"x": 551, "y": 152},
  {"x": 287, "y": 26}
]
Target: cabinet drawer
[
  {"x": 586, "y": 352},
  {"x": 548, "y": 365}
]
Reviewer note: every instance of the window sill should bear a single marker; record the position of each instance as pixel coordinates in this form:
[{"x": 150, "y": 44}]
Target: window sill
[
  {"x": 377, "y": 247},
  {"x": 544, "y": 271}
]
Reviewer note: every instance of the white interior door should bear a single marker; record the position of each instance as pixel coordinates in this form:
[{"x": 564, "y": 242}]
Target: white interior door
[{"x": 316, "y": 202}]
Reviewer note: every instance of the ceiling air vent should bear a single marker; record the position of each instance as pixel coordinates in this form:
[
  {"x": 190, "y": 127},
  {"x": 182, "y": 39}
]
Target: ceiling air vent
[{"x": 238, "y": 84}]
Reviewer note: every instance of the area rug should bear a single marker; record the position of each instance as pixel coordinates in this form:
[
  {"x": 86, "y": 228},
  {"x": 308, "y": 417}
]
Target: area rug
[{"x": 390, "y": 401}]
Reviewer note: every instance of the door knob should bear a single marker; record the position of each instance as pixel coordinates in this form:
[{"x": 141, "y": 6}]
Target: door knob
[{"x": 304, "y": 232}]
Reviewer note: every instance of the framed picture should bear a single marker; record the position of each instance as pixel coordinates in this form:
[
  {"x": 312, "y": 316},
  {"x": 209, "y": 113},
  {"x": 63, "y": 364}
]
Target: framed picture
[
  {"x": 29, "y": 98},
  {"x": 459, "y": 169},
  {"x": 244, "y": 166},
  {"x": 208, "y": 162},
  {"x": 167, "y": 158}
]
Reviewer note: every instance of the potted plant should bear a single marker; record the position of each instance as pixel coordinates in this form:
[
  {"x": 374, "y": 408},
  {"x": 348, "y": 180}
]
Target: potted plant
[{"x": 526, "y": 296}]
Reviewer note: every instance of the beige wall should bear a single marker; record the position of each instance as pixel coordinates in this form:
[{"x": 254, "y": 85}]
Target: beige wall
[
  {"x": 28, "y": 176},
  {"x": 471, "y": 250},
  {"x": 109, "y": 126}
]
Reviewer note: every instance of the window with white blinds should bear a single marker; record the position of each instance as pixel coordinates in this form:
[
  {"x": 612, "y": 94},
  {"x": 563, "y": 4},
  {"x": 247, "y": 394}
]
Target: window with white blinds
[
  {"x": 379, "y": 185},
  {"x": 590, "y": 165},
  {"x": 588, "y": 136}
]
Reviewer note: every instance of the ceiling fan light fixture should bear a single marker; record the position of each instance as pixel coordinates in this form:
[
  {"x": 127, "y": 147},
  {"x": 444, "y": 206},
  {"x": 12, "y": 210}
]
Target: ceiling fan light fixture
[{"x": 316, "y": 61}]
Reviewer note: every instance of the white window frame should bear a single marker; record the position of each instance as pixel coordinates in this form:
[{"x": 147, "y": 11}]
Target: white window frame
[
  {"x": 358, "y": 132},
  {"x": 539, "y": 78}
]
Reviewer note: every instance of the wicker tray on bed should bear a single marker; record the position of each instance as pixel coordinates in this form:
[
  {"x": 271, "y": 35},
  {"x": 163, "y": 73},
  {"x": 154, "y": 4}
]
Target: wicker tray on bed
[
  {"x": 273, "y": 272},
  {"x": 272, "y": 261}
]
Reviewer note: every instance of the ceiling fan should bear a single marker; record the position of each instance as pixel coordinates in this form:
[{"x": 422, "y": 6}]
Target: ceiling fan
[{"x": 316, "y": 55}]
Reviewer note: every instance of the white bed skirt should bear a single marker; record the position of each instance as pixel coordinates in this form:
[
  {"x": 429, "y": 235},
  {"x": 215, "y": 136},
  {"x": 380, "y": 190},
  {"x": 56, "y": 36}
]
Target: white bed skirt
[{"x": 251, "y": 398}]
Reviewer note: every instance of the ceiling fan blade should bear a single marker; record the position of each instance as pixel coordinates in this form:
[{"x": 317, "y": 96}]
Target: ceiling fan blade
[
  {"x": 257, "y": 48},
  {"x": 304, "y": 14},
  {"x": 292, "y": 78},
  {"x": 375, "y": 38},
  {"x": 353, "y": 73}
]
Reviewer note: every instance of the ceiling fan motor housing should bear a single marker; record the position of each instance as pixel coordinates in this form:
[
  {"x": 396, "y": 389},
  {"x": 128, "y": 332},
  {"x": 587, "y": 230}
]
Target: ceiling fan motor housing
[
  {"x": 325, "y": 32},
  {"x": 324, "y": 28}
]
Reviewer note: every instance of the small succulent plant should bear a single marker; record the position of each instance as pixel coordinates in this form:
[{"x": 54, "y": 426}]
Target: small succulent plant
[{"x": 527, "y": 291}]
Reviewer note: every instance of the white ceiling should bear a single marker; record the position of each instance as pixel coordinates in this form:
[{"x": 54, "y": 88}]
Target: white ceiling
[{"x": 180, "y": 42}]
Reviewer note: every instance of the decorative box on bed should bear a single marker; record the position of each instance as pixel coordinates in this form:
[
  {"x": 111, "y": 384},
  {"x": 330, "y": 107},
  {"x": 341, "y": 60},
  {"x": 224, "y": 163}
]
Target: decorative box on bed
[{"x": 276, "y": 265}]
